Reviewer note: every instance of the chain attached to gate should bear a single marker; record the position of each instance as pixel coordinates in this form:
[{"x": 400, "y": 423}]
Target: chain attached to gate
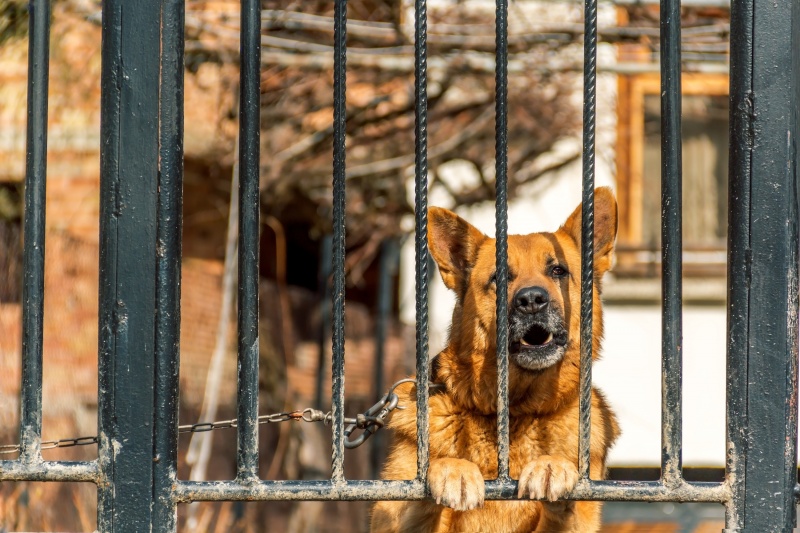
[
  {"x": 50, "y": 444},
  {"x": 372, "y": 420}
]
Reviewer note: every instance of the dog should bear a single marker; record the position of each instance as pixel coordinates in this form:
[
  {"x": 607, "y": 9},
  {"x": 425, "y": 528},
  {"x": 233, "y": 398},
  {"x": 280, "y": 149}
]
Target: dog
[{"x": 544, "y": 354}]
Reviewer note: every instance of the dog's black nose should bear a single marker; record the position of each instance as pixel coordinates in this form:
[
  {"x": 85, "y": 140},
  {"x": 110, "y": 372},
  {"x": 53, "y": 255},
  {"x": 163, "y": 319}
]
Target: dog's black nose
[{"x": 531, "y": 300}]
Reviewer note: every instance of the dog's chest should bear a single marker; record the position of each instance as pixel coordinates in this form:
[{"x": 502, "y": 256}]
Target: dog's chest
[
  {"x": 474, "y": 438},
  {"x": 494, "y": 516}
]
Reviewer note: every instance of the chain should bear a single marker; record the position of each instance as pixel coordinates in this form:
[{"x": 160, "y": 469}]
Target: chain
[
  {"x": 369, "y": 422},
  {"x": 50, "y": 444}
]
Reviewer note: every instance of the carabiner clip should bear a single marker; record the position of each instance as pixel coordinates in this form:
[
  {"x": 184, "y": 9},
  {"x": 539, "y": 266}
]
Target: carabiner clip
[{"x": 371, "y": 421}]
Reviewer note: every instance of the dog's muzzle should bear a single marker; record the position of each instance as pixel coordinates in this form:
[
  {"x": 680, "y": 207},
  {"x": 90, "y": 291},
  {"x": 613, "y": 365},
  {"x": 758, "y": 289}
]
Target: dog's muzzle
[{"x": 537, "y": 336}]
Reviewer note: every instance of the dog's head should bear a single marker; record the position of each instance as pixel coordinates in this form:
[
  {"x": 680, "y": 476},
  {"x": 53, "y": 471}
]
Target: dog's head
[{"x": 543, "y": 303}]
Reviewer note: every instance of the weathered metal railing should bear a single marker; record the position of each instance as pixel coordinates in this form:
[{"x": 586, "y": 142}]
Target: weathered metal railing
[{"x": 141, "y": 188}]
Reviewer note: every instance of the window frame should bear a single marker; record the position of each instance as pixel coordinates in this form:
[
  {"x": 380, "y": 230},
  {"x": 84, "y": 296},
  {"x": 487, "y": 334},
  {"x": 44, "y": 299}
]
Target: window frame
[{"x": 631, "y": 92}]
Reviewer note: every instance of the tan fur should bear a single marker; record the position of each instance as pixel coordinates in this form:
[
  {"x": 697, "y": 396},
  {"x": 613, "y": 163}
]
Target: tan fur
[{"x": 543, "y": 404}]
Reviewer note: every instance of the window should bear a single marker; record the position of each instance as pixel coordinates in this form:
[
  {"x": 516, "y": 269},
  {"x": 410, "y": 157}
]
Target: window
[
  {"x": 705, "y": 174},
  {"x": 10, "y": 242}
]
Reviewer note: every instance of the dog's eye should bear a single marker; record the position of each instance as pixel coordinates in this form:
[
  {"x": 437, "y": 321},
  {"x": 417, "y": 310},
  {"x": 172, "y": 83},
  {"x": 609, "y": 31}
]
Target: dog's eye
[
  {"x": 558, "y": 271},
  {"x": 493, "y": 279}
]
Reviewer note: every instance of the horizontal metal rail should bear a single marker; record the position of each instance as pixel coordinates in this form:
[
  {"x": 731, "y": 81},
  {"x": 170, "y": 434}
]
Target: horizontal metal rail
[
  {"x": 49, "y": 471},
  {"x": 631, "y": 491}
]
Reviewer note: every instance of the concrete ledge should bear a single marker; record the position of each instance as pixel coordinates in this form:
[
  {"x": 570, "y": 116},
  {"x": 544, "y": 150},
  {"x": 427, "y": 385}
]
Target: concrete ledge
[{"x": 703, "y": 291}]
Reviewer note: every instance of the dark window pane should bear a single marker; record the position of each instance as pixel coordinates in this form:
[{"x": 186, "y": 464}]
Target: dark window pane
[
  {"x": 10, "y": 242},
  {"x": 705, "y": 171}
]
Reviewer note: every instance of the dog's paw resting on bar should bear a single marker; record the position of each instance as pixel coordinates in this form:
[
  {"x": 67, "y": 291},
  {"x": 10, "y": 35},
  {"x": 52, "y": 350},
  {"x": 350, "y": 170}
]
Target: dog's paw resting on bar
[
  {"x": 456, "y": 483},
  {"x": 543, "y": 383},
  {"x": 547, "y": 478}
]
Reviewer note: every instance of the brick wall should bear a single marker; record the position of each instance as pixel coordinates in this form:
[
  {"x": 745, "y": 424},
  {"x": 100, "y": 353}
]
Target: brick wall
[{"x": 71, "y": 279}]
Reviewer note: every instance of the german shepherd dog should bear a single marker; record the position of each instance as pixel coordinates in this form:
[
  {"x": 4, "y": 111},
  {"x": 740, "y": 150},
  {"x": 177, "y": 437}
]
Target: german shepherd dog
[{"x": 544, "y": 354}]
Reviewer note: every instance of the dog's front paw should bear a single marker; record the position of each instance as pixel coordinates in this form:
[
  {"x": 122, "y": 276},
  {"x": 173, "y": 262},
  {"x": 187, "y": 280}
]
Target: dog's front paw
[
  {"x": 456, "y": 483},
  {"x": 547, "y": 478}
]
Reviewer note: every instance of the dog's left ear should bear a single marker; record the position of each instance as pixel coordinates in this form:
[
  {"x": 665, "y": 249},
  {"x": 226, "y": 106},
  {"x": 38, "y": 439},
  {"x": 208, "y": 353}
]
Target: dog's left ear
[{"x": 605, "y": 227}]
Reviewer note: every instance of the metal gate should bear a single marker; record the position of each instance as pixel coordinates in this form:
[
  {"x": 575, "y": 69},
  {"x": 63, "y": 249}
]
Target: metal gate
[{"x": 140, "y": 253}]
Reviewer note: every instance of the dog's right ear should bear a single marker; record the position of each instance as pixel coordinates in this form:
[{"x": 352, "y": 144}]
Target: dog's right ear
[{"x": 454, "y": 245}]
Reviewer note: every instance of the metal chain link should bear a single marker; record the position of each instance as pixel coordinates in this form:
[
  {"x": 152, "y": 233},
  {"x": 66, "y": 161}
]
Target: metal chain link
[
  {"x": 370, "y": 422},
  {"x": 50, "y": 444}
]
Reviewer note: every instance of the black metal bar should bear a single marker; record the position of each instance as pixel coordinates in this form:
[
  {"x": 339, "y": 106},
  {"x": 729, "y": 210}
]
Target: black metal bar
[
  {"x": 587, "y": 231},
  {"x": 792, "y": 333},
  {"x": 764, "y": 104},
  {"x": 339, "y": 117},
  {"x": 168, "y": 267},
  {"x": 249, "y": 211},
  {"x": 128, "y": 228},
  {"x": 739, "y": 170},
  {"x": 109, "y": 192},
  {"x": 325, "y": 316},
  {"x": 671, "y": 242},
  {"x": 30, "y": 428},
  {"x": 501, "y": 232},
  {"x": 421, "y": 232},
  {"x": 652, "y": 491},
  {"x": 387, "y": 270}
]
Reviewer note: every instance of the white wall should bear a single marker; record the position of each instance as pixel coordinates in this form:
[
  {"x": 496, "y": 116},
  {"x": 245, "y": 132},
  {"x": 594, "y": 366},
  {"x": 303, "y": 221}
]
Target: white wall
[{"x": 629, "y": 374}]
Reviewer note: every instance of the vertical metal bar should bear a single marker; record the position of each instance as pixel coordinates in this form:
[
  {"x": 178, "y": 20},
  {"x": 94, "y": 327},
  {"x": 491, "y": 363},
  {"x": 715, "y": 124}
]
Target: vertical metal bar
[
  {"x": 671, "y": 243},
  {"x": 387, "y": 270},
  {"x": 249, "y": 210},
  {"x": 421, "y": 231},
  {"x": 168, "y": 267},
  {"x": 339, "y": 117},
  {"x": 739, "y": 170},
  {"x": 128, "y": 228},
  {"x": 793, "y": 342},
  {"x": 501, "y": 232},
  {"x": 34, "y": 230},
  {"x": 109, "y": 199},
  {"x": 792, "y": 236},
  {"x": 324, "y": 314},
  {"x": 764, "y": 302},
  {"x": 587, "y": 231}
]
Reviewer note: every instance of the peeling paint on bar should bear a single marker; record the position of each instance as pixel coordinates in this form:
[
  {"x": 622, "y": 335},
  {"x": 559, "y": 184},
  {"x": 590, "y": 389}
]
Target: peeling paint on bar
[
  {"x": 48, "y": 471},
  {"x": 249, "y": 213},
  {"x": 34, "y": 231},
  {"x": 30, "y": 445},
  {"x": 671, "y": 239},
  {"x": 654, "y": 491},
  {"x": 339, "y": 236},
  {"x": 168, "y": 270}
]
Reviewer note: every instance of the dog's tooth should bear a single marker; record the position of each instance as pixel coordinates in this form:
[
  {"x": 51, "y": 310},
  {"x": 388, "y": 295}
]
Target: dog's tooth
[
  {"x": 549, "y": 339},
  {"x": 522, "y": 342}
]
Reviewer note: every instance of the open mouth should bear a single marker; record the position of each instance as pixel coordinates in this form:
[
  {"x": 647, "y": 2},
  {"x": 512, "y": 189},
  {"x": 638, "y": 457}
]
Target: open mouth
[
  {"x": 538, "y": 347},
  {"x": 536, "y": 336}
]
